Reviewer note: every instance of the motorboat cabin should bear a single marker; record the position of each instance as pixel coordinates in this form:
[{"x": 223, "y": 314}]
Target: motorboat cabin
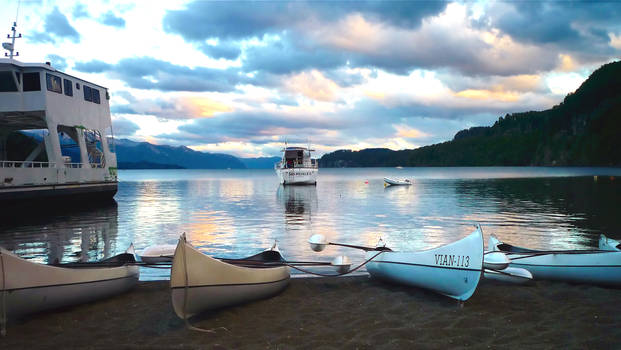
[{"x": 297, "y": 167}]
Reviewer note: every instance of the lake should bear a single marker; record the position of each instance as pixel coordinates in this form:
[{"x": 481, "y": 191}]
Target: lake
[{"x": 235, "y": 213}]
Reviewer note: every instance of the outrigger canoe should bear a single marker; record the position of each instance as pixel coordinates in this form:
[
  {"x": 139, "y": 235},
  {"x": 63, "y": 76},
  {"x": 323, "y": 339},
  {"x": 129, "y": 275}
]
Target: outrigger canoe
[
  {"x": 496, "y": 266},
  {"x": 453, "y": 270},
  {"x": 199, "y": 282},
  {"x": 606, "y": 243},
  {"x": 391, "y": 181},
  {"x": 577, "y": 266},
  {"x": 30, "y": 287}
]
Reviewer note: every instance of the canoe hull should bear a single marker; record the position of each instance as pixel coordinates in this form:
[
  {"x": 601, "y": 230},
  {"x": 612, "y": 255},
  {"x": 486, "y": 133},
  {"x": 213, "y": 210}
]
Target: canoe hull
[
  {"x": 213, "y": 284},
  {"x": 589, "y": 266},
  {"x": 453, "y": 270},
  {"x": 30, "y": 287}
]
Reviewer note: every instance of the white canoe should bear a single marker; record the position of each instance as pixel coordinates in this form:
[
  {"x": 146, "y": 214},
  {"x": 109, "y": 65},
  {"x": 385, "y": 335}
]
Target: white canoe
[
  {"x": 199, "y": 282},
  {"x": 162, "y": 253},
  {"x": 578, "y": 266},
  {"x": 31, "y": 287},
  {"x": 391, "y": 181},
  {"x": 453, "y": 270},
  {"x": 606, "y": 243}
]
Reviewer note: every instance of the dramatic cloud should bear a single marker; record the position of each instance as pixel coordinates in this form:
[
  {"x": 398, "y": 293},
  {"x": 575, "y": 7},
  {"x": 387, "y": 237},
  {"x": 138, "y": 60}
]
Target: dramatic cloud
[
  {"x": 150, "y": 73},
  {"x": 57, "y": 26},
  {"x": 110, "y": 19},
  {"x": 226, "y": 50},
  {"x": 57, "y": 62},
  {"x": 123, "y": 127}
]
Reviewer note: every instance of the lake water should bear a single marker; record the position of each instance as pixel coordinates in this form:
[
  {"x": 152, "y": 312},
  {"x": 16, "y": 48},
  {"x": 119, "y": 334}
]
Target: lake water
[{"x": 235, "y": 213}]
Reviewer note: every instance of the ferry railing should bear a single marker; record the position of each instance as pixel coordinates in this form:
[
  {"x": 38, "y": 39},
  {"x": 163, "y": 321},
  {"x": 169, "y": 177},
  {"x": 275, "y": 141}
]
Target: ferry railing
[{"x": 26, "y": 164}]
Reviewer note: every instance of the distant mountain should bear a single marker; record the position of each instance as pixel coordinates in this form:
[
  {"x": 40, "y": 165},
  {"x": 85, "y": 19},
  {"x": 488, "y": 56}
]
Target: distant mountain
[
  {"x": 260, "y": 163},
  {"x": 583, "y": 130},
  {"x": 128, "y": 151}
]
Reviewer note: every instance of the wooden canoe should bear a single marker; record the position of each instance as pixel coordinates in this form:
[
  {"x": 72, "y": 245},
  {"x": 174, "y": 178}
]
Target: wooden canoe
[
  {"x": 453, "y": 270},
  {"x": 199, "y": 282},
  {"x": 31, "y": 287},
  {"x": 577, "y": 266}
]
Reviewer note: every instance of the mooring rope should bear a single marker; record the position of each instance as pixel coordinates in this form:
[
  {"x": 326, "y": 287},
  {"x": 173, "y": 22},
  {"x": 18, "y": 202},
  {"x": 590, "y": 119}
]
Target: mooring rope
[{"x": 333, "y": 275}]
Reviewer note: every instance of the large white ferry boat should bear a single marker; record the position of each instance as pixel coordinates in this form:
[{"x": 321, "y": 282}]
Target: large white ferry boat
[
  {"x": 55, "y": 133},
  {"x": 297, "y": 167}
]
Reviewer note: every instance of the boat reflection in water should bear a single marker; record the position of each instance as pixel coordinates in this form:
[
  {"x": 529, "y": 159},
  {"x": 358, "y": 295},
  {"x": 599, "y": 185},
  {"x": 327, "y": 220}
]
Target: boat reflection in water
[
  {"x": 299, "y": 203},
  {"x": 64, "y": 234}
]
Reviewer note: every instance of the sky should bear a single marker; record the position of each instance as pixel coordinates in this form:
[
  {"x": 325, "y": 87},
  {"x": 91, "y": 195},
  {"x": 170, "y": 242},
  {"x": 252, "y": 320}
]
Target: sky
[{"x": 244, "y": 77}]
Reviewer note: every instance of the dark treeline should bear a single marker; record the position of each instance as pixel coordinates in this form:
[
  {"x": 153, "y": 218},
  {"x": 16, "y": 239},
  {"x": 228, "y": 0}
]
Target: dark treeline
[{"x": 583, "y": 130}]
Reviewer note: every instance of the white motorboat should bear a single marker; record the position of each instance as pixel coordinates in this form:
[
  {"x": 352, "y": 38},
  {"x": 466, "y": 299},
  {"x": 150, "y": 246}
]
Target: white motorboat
[
  {"x": 30, "y": 287},
  {"x": 199, "y": 282},
  {"x": 56, "y": 134},
  {"x": 453, "y": 270},
  {"x": 395, "y": 182},
  {"x": 297, "y": 167},
  {"x": 578, "y": 266}
]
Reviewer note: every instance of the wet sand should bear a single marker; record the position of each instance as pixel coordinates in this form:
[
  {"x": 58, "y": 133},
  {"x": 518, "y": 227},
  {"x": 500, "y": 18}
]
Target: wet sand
[{"x": 340, "y": 313}]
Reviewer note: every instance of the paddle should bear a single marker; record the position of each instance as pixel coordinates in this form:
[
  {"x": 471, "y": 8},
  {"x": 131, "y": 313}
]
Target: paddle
[{"x": 318, "y": 243}]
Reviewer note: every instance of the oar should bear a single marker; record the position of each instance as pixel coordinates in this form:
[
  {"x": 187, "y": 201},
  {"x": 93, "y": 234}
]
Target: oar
[{"x": 318, "y": 243}]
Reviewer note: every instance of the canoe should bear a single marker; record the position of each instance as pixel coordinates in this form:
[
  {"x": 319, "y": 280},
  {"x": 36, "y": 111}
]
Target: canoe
[
  {"x": 162, "y": 253},
  {"x": 199, "y": 282},
  {"x": 453, "y": 270},
  {"x": 606, "y": 243},
  {"x": 391, "y": 181},
  {"x": 577, "y": 266},
  {"x": 31, "y": 287}
]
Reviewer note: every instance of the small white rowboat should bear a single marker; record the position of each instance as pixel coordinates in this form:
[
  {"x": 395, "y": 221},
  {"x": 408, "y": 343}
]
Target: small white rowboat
[
  {"x": 606, "y": 243},
  {"x": 155, "y": 254},
  {"x": 578, "y": 266},
  {"x": 30, "y": 287},
  {"x": 453, "y": 270},
  {"x": 199, "y": 282},
  {"x": 391, "y": 181}
]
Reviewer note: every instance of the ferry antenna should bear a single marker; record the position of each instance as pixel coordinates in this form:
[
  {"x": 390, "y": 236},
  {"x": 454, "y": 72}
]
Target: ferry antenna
[{"x": 10, "y": 47}]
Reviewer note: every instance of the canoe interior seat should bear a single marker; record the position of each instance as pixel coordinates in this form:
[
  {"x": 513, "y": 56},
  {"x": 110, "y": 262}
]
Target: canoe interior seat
[{"x": 117, "y": 260}]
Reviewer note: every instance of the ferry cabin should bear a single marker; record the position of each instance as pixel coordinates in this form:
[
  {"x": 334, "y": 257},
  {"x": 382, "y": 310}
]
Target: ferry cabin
[{"x": 55, "y": 134}]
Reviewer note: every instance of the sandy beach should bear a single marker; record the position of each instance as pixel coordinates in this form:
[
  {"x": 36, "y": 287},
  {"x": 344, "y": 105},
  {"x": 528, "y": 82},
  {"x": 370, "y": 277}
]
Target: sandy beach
[{"x": 339, "y": 313}]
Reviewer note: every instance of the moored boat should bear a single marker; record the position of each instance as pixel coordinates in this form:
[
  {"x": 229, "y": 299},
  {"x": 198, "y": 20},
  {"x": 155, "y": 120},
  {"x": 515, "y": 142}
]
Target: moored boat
[
  {"x": 396, "y": 182},
  {"x": 297, "y": 167},
  {"x": 30, "y": 287},
  {"x": 606, "y": 243},
  {"x": 577, "y": 266},
  {"x": 199, "y": 282},
  {"x": 453, "y": 270}
]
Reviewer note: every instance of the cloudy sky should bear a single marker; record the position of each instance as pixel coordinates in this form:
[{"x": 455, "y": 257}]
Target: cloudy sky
[{"x": 243, "y": 77}]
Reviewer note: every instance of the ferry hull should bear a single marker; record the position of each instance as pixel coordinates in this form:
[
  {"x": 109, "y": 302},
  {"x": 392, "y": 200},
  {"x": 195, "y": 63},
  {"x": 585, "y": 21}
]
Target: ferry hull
[
  {"x": 67, "y": 191},
  {"x": 297, "y": 176}
]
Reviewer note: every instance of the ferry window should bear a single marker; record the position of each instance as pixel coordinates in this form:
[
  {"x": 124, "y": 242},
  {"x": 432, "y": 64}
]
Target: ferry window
[
  {"x": 19, "y": 77},
  {"x": 32, "y": 82},
  {"x": 54, "y": 83},
  {"x": 96, "y": 96},
  {"x": 68, "y": 87},
  {"x": 77, "y": 86},
  {"x": 88, "y": 95},
  {"x": 7, "y": 83}
]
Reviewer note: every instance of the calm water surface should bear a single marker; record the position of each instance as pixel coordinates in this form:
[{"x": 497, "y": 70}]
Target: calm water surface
[{"x": 235, "y": 213}]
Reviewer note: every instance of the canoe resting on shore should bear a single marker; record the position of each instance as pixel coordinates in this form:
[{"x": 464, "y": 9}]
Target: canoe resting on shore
[
  {"x": 453, "y": 270},
  {"x": 579, "y": 266},
  {"x": 199, "y": 282},
  {"x": 29, "y": 287}
]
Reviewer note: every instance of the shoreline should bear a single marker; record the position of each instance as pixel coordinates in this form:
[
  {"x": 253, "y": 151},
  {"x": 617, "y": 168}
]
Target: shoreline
[{"x": 335, "y": 313}]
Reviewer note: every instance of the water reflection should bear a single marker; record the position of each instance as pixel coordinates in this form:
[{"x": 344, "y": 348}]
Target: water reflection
[
  {"x": 299, "y": 203},
  {"x": 64, "y": 234}
]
